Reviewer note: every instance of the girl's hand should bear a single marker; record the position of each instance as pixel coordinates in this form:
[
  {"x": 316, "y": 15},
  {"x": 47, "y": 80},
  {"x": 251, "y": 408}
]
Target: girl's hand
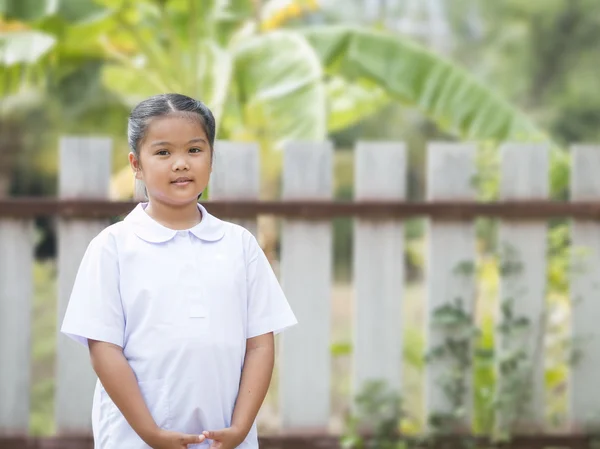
[
  {"x": 228, "y": 438},
  {"x": 165, "y": 439}
]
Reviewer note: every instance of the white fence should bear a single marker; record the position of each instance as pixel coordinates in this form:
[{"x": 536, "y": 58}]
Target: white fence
[{"x": 306, "y": 275}]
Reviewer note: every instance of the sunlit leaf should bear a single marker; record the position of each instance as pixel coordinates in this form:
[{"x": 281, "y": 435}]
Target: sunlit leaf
[
  {"x": 348, "y": 103},
  {"x": 24, "y": 47},
  {"x": 279, "y": 81}
]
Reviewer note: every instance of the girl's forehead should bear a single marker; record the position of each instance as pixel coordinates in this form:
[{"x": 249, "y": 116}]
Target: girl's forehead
[{"x": 175, "y": 127}]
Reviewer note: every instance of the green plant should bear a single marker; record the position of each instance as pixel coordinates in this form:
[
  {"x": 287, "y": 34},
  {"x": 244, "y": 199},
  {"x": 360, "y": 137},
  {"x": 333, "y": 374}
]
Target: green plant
[
  {"x": 453, "y": 324},
  {"x": 499, "y": 354},
  {"x": 378, "y": 412},
  {"x": 514, "y": 364},
  {"x": 504, "y": 357},
  {"x": 455, "y": 350}
]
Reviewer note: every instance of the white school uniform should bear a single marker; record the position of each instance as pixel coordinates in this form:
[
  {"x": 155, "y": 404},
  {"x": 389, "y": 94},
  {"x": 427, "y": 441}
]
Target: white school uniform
[{"x": 181, "y": 304}]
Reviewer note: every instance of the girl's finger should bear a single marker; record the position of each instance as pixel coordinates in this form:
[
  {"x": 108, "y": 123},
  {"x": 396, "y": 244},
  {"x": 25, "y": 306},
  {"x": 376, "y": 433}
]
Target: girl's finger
[
  {"x": 213, "y": 434},
  {"x": 191, "y": 439}
]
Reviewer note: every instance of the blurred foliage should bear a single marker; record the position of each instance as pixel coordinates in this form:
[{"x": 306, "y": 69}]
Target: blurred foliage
[
  {"x": 109, "y": 54},
  {"x": 515, "y": 70},
  {"x": 407, "y": 72},
  {"x": 540, "y": 55},
  {"x": 470, "y": 350},
  {"x": 264, "y": 83},
  {"x": 544, "y": 54}
]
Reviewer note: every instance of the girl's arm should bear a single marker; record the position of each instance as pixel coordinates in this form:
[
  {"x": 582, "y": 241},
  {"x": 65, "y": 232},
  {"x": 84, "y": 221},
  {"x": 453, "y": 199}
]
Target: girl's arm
[
  {"x": 255, "y": 380},
  {"x": 256, "y": 377},
  {"x": 120, "y": 383}
]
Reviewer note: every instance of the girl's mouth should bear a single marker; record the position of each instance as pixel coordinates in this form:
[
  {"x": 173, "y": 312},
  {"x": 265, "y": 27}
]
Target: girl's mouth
[{"x": 181, "y": 181}]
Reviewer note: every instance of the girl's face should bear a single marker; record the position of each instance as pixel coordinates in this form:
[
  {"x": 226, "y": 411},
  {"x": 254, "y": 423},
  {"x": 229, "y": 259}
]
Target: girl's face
[{"x": 174, "y": 160}]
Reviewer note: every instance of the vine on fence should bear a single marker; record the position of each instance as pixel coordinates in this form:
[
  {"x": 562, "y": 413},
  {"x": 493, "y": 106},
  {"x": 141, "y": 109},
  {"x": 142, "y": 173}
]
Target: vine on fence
[
  {"x": 378, "y": 410},
  {"x": 455, "y": 325},
  {"x": 461, "y": 350}
]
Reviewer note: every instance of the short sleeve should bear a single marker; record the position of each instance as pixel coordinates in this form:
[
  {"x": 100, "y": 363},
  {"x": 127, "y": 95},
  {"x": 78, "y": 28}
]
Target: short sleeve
[
  {"x": 94, "y": 310},
  {"x": 268, "y": 308}
]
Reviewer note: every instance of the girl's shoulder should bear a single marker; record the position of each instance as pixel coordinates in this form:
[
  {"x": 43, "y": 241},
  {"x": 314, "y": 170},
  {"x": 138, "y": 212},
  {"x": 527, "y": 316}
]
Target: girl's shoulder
[
  {"x": 237, "y": 234},
  {"x": 108, "y": 238}
]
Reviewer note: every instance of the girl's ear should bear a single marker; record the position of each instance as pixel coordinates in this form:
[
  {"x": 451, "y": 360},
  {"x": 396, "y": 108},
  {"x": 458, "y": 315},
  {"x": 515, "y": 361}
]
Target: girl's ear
[{"x": 135, "y": 165}]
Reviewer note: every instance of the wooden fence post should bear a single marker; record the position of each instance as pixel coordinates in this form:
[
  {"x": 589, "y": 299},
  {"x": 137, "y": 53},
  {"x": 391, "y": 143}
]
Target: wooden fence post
[
  {"x": 236, "y": 176},
  {"x": 450, "y": 287},
  {"x": 522, "y": 246},
  {"x": 16, "y": 292},
  {"x": 380, "y": 174},
  {"x": 306, "y": 274},
  {"x": 85, "y": 169},
  {"x": 584, "y": 393}
]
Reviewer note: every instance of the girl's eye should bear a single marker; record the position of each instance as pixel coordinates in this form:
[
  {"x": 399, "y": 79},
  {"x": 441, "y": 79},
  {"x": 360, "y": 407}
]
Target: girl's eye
[
  {"x": 195, "y": 150},
  {"x": 162, "y": 153}
]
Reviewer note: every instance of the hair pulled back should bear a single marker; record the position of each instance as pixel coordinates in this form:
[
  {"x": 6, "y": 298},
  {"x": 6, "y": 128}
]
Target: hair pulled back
[{"x": 163, "y": 105}]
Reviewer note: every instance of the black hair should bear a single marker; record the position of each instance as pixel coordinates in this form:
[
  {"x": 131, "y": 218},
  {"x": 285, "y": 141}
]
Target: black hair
[{"x": 163, "y": 105}]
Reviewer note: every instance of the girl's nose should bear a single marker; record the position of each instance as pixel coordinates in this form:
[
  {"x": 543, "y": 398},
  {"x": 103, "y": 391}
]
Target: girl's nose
[{"x": 180, "y": 164}]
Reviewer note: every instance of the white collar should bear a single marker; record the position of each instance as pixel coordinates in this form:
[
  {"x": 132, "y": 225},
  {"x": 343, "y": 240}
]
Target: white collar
[{"x": 145, "y": 227}]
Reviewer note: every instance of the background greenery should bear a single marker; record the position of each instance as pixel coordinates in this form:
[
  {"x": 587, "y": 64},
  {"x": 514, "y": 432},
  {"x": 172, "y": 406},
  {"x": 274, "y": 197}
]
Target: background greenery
[{"x": 285, "y": 69}]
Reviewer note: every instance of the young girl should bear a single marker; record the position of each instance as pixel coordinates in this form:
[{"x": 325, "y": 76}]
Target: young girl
[{"x": 178, "y": 308}]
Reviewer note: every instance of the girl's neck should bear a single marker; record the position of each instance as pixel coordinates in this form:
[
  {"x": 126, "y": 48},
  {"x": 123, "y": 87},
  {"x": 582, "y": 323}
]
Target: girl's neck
[{"x": 174, "y": 217}]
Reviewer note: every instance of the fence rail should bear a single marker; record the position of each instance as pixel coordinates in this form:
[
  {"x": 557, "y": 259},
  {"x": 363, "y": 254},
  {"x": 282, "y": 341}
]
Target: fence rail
[{"x": 22, "y": 208}]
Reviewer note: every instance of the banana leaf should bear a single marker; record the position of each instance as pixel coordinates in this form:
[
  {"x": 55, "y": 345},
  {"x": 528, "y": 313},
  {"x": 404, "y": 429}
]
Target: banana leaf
[
  {"x": 278, "y": 81},
  {"x": 455, "y": 100}
]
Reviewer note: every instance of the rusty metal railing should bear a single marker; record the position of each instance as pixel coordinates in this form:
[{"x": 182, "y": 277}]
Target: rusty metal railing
[{"x": 315, "y": 209}]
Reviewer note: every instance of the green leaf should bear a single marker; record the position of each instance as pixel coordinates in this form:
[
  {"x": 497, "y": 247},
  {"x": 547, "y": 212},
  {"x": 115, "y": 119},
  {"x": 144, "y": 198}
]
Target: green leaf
[
  {"x": 349, "y": 103},
  {"x": 69, "y": 10},
  {"x": 77, "y": 11},
  {"x": 129, "y": 83},
  {"x": 238, "y": 10},
  {"x": 464, "y": 268},
  {"x": 24, "y": 47},
  {"x": 278, "y": 78},
  {"x": 341, "y": 349},
  {"x": 443, "y": 91},
  {"x": 350, "y": 441},
  {"x": 27, "y": 10}
]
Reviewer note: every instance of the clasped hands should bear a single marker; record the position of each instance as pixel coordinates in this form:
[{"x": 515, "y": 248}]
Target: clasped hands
[{"x": 228, "y": 438}]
